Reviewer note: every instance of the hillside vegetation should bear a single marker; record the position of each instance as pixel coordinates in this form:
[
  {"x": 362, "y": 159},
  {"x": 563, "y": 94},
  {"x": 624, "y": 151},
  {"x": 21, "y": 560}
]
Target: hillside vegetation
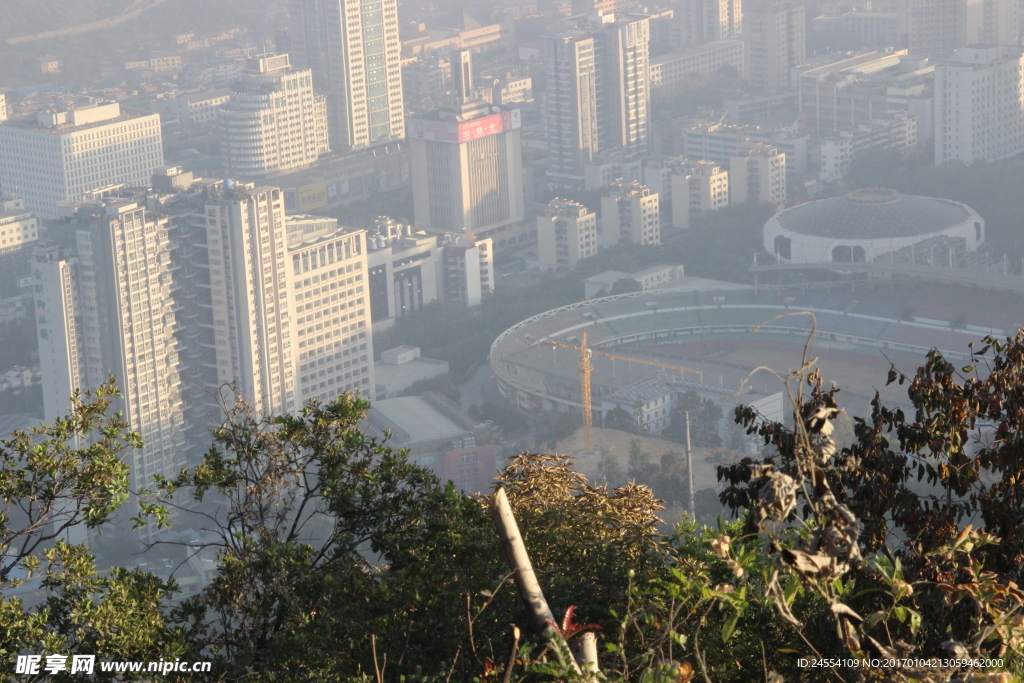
[{"x": 21, "y": 17}]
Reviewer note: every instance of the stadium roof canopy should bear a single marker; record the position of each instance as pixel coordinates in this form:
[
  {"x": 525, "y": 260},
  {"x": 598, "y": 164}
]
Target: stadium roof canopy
[{"x": 872, "y": 213}]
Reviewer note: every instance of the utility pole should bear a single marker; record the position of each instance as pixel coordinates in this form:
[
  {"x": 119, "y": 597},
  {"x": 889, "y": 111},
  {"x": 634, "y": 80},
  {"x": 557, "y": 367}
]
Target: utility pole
[{"x": 689, "y": 465}]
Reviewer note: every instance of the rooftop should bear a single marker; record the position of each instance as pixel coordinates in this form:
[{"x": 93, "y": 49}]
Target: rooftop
[
  {"x": 871, "y": 213},
  {"x": 414, "y": 416},
  {"x": 643, "y": 391}
]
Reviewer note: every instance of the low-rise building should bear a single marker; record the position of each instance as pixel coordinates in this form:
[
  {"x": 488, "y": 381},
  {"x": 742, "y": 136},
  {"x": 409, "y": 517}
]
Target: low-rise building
[
  {"x": 467, "y": 266},
  {"x": 671, "y": 70},
  {"x": 202, "y": 107},
  {"x": 404, "y": 271},
  {"x": 719, "y": 142},
  {"x": 742, "y": 109},
  {"x": 19, "y": 230},
  {"x": 630, "y": 213},
  {"x": 164, "y": 61},
  {"x": 401, "y": 367},
  {"x": 648, "y": 278},
  {"x": 650, "y": 402},
  {"x": 511, "y": 87},
  {"x": 566, "y": 234},
  {"x": 898, "y": 133},
  {"x": 48, "y": 64},
  {"x": 758, "y": 174},
  {"x": 438, "y": 436},
  {"x": 857, "y": 90},
  {"x": 687, "y": 186}
]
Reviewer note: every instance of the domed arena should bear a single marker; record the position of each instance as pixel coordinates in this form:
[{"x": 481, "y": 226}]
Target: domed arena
[{"x": 871, "y": 224}]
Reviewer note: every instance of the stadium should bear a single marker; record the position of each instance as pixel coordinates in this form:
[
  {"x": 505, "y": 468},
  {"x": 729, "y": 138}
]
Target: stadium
[
  {"x": 719, "y": 332},
  {"x": 870, "y": 224}
]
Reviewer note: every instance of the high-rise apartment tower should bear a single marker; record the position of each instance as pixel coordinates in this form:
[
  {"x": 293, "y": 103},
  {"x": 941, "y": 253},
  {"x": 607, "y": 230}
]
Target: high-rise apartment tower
[
  {"x": 774, "y": 40},
  {"x": 354, "y": 50},
  {"x": 273, "y": 122}
]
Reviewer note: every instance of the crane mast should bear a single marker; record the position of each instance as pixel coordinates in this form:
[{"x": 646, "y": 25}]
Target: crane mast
[{"x": 586, "y": 370}]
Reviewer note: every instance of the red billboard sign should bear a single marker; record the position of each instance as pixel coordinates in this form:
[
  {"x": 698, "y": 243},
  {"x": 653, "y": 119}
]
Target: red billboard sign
[{"x": 467, "y": 131}]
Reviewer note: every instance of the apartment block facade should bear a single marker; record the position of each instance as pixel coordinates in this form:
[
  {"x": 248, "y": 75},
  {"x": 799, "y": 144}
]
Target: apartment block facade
[
  {"x": 979, "y": 105},
  {"x": 630, "y": 213},
  {"x": 566, "y": 234}
]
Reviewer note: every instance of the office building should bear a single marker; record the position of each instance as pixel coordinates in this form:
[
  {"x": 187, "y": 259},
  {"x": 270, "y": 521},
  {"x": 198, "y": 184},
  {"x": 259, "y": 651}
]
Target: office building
[
  {"x": 332, "y": 347},
  {"x": 758, "y": 174},
  {"x": 881, "y": 29},
  {"x": 935, "y": 28},
  {"x": 289, "y": 300},
  {"x": 467, "y": 169},
  {"x": 3, "y": 107},
  {"x": 742, "y": 109},
  {"x": 566, "y": 234},
  {"x": 597, "y": 97},
  {"x": 706, "y": 21},
  {"x": 686, "y": 187},
  {"x": 774, "y": 37},
  {"x": 354, "y": 51},
  {"x": 63, "y": 154},
  {"x": 19, "y": 230},
  {"x": 404, "y": 271},
  {"x": 671, "y": 70},
  {"x": 852, "y": 92},
  {"x": 273, "y": 122},
  {"x": 467, "y": 267},
  {"x": 979, "y": 105},
  {"x": 104, "y": 309},
  {"x": 630, "y": 213}
]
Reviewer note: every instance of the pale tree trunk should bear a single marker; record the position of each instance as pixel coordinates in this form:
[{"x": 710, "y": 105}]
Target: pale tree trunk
[{"x": 529, "y": 588}]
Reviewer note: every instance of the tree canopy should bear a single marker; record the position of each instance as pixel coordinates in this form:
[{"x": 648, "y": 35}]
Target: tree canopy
[{"x": 339, "y": 559}]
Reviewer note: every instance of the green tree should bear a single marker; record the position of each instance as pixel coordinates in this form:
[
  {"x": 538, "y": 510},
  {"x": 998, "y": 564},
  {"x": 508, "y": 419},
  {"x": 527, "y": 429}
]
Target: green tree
[
  {"x": 947, "y": 587},
  {"x": 610, "y": 468},
  {"x": 640, "y": 466},
  {"x": 619, "y": 418},
  {"x": 51, "y": 485},
  {"x": 442, "y": 384},
  {"x": 625, "y": 285}
]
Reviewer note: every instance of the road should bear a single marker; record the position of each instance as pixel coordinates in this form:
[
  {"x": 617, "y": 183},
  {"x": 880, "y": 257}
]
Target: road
[
  {"x": 130, "y": 12},
  {"x": 480, "y": 387}
]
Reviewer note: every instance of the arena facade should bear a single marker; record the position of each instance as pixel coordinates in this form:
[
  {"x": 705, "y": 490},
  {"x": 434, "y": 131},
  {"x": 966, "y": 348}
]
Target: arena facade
[
  {"x": 871, "y": 224},
  {"x": 722, "y": 331}
]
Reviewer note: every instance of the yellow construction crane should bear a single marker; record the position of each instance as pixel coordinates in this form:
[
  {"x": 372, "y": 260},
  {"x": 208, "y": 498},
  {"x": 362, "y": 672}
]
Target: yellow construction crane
[{"x": 587, "y": 367}]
